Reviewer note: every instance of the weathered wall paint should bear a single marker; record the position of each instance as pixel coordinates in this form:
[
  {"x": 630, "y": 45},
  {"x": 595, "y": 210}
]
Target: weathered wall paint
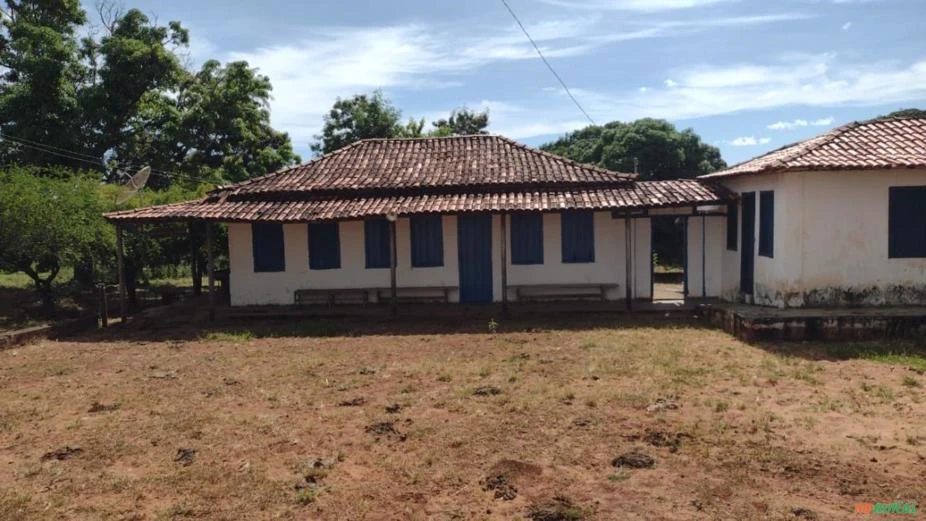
[
  {"x": 249, "y": 288},
  {"x": 714, "y": 240},
  {"x": 831, "y": 233}
]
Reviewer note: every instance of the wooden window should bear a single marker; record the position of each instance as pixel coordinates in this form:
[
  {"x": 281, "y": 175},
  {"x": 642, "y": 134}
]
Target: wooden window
[
  {"x": 906, "y": 236},
  {"x": 733, "y": 215},
  {"x": 578, "y": 236},
  {"x": 376, "y": 243},
  {"x": 427, "y": 238},
  {"x": 527, "y": 238},
  {"x": 767, "y": 223},
  {"x": 267, "y": 247},
  {"x": 324, "y": 246}
]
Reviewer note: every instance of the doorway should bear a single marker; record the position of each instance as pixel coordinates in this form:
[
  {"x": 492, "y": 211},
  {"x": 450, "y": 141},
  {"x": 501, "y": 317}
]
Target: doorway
[
  {"x": 669, "y": 267},
  {"x": 474, "y": 244}
]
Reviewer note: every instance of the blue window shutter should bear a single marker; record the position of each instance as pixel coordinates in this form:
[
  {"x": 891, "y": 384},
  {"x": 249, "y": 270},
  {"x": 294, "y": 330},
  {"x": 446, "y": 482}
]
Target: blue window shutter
[
  {"x": 324, "y": 246},
  {"x": 733, "y": 214},
  {"x": 767, "y": 223},
  {"x": 427, "y": 238},
  {"x": 578, "y": 236},
  {"x": 267, "y": 247},
  {"x": 527, "y": 238},
  {"x": 376, "y": 243},
  {"x": 906, "y": 236}
]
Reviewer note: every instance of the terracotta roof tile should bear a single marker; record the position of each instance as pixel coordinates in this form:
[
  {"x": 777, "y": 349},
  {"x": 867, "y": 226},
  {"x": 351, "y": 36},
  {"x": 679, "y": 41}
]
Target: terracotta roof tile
[
  {"x": 876, "y": 144},
  {"x": 462, "y": 161},
  {"x": 636, "y": 195}
]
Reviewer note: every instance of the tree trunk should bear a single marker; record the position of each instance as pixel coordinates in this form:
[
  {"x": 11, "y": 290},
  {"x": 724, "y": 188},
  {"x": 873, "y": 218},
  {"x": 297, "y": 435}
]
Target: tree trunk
[{"x": 44, "y": 287}]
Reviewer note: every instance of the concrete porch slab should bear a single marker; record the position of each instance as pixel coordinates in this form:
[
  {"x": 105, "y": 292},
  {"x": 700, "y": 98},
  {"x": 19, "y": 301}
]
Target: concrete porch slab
[{"x": 750, "y": 323}]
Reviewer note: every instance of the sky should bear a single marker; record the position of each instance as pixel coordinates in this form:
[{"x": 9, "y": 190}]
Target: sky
[{"x": 747, "y": 75}]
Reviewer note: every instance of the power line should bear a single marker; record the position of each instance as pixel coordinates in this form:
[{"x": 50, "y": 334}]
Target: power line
[
  {"x": 77, "y": 156},
  {"x": 540, "y": 53}
]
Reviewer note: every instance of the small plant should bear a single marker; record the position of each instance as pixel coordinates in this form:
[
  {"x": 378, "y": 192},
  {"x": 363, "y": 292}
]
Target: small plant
[
  {"x": 721, "y": 406},
  {"x": 493, "y": 326},
  {"x": 620, "y": 475},
  {"x": 306, "y": 496},
  {"x": 445, "y": 377},
  {"x": 909, "y": 381}
]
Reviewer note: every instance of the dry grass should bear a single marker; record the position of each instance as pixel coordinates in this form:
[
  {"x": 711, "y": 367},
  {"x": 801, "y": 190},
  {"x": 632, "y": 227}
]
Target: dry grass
[{"x": 739, "y": 432}]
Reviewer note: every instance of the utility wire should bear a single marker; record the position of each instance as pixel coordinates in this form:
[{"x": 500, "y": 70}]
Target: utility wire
[
  {"x": 540, "y": 53},
  {"x": 77, "y": 156}
]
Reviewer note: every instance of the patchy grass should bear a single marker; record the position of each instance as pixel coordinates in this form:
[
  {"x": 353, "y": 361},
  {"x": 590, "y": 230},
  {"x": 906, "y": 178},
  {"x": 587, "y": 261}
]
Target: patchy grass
[
  {"x": 905, "y": 353},
  {"x": 735, "y": 431}
]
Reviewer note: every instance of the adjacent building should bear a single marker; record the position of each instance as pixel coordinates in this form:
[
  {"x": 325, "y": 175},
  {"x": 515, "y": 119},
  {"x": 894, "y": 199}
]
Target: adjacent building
[{"x": 836, "y": 220}]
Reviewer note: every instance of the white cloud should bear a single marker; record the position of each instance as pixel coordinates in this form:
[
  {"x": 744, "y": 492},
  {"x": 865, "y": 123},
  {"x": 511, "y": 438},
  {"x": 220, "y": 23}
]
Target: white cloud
[
  {"x": 308, "y": 75},
  {"x": 671, "y": 83},
  {"x": 707, "y": 90},
  {"x": 846, "y": 26},
  {"x": 643, "y": 89},
  {"x": 748, "y": 141},
  {"x": 788, "y": 125},
  {"x": 810, "y": 80},
  {"x": 633, "y": 5}
]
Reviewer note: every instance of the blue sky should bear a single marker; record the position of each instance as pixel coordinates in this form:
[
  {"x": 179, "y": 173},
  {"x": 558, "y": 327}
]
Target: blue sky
[{"x": 747, "y": 75}]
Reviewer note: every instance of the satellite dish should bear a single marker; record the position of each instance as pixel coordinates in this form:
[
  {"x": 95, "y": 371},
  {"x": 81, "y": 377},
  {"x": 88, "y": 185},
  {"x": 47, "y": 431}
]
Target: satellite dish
[{"x": 135, "y": 184}]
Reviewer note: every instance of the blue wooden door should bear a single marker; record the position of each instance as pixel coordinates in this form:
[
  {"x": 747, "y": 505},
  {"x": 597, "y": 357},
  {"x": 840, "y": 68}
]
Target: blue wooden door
[{"x": 474, "y": 243}]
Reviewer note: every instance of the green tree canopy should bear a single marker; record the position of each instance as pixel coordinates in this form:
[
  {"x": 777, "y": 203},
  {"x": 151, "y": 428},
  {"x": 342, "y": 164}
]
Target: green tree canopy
[
  {"x": 462, "y": 122},
  {"x": 658, "y": 148},
  {"x": 367, "y": 116},
  {"x": 359, "y": 117},
  {"x": 124, "y": 99},
  {"x": 906, "y": 113},
  {"x": 41, "y": 72},
  {"x": 47, "y": 223}
]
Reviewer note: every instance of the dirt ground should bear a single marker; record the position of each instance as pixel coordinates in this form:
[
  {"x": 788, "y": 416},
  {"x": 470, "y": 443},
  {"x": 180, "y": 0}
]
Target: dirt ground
[{"x": 453, "y": 421}]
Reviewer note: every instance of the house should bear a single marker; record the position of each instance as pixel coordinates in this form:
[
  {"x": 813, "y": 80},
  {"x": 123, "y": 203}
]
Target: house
[
  {"x": 836, "y": 220},
  {"x": 470, "y": 219}
]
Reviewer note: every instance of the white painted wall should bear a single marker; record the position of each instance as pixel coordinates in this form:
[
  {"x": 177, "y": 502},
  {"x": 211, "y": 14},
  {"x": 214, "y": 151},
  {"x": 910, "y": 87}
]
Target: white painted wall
[
  {"x": 712, "y": 241},
  {"x": 250, "y": 288},
  {"x": 831, "y": 241}
]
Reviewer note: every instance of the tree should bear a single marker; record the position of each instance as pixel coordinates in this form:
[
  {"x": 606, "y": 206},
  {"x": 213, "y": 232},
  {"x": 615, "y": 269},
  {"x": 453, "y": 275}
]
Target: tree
[
  {"x": 905, "y": 113},
  {"x": 47, "y": 223},
  {"x": 656, "y": 150},
  {"x": 123, "y": 99},
  {"x": 462, "y": 122},
  {"x": 652, "y": 147},
  {"x": 373, "y": 116},
  {"x": 39, "y": 101},
  {"x": 217, "y": 127},
  {"x": 359, "y": 117},
  {"x": 133, "y": 59}
]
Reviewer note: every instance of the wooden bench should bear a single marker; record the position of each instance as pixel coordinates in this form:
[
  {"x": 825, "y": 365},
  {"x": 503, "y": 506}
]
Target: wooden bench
[
  {"x": 526, "y": 292},
  {"x": 331, "y": 296},
  {"x": 416, "y": 294}
]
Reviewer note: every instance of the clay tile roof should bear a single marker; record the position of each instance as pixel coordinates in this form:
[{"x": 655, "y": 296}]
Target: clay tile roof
[
  {"x": 460, "y": 161},
  {"x": 412, "y": 176},
  {"x": 876, "y": 144},
  {"x": 632, "y": 196}
]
